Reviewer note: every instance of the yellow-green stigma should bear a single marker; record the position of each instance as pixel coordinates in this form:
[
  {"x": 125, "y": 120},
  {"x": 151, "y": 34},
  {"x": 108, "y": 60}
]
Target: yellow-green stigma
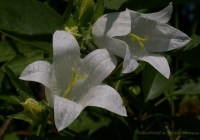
[
  {"x": 72, "y": 82},
  {"x": 73, "y": 31},
  {"x": 139, "y": 40}
]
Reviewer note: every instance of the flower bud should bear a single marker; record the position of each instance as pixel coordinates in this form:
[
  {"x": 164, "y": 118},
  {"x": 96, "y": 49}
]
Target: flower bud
[{"x": 33, "y": 109}]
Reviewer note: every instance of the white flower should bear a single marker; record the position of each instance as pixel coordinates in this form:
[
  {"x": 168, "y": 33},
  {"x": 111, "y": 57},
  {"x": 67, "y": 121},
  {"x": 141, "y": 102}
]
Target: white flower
[
  {"x": 135, "y": 36},
  {"x": 73, "y": 83}
]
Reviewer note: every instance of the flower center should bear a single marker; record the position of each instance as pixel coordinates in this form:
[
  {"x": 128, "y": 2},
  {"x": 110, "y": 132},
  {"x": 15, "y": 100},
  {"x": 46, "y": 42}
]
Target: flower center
[
  {"x": 139, "y": 40},
  {"x": 72, "y": 82}
]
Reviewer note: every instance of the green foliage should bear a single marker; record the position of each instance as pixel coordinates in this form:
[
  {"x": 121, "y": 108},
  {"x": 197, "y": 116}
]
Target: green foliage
[
  {"x": 14, "y": 53},
  {"x": 153, "y": 83},
  {"x": 11, "y": 137},
  {"x": 86, "y": 12},
  {"x": 21, "y": 116},
  {"x": 189, "y": 89},
  {"x": 190, "y": 52},
  {"x": 10, "y": 99},
  {"x": 88, "y": 123},
  {"x": 21, "y": 87},
  {"x": 99, "y": 10},
  {"x": 35, "y": 27}
]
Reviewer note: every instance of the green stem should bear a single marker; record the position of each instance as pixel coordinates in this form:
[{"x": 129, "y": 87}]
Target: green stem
[
  {"x": 40, "y": 130},
  {"x": 179, "y": 71},
  {"x": 126, "y": 76},
  {"x": 117, "y": 85},
  {"x": 163, "y": 99},
  {"x": 69, "y": 10},
  {"x": 173, "y": 113},
  {"x": 41, "y": 127},
  {"x": 116, "y": 69},
  {"x": 176, "y": 17},
  {"x": 118, "y": 132}
]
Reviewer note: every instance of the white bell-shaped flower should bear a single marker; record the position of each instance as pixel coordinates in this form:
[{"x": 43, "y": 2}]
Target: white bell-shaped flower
[
  {"x": 135, "y": 36},
  {"x": 73, "y": 83}
]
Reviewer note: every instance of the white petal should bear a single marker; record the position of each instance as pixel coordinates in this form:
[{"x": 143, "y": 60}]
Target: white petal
[
  {"x": 162, "y": 37},
  {"x": 111, "y": 25},
  {"x": 39, "y": 71},
  {"x": 66, "y": 55},
  {"x": 105, "y": 97},
  {"x": 49, "y": 97},
  {"x": 96, "y": 66},
  {"x": 65, "y": 112},
  {"x": 158, "y": 62},
  {"x": 130, "y": 63},
  {"x": 162, "y": 16}
]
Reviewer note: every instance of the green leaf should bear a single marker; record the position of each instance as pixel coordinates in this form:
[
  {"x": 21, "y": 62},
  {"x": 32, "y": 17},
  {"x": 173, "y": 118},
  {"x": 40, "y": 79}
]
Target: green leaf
[
  {"x": 153, "y": 83},
  {"x": 8, "y": 53},
  {"x": 138, "y": 101},
  {"x": 86, "y": 12},
  {"x": 13, "y": 49},
  {"x": 189, "y": 53},
  {"x": 21, "y": 116},
  {"x": 10, "y": 99},
  {"x": 2, "y": 74},
  {"x": 87, "y": 36},
  {"x": 18, "y": 63},
  {"x": 70, "y": 23},
  {"x": 87, "y": 123},
  {"x": 99, "y": 11},
  {"x": 189, "y": 89},
  {"x": 19, "y": 55},
  {"x": 29, "y": 21},
  {"x": 11, "y": 137},
  {"x": 24, "y": 90},
  {"x": 69, "y": 10},
  {"x": 114, "y": 5}
]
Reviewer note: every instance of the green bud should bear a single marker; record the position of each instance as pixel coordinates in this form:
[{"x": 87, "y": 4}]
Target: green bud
[
  {"x": 73, "y": 31},
  {"x": 33, "y": 109}
]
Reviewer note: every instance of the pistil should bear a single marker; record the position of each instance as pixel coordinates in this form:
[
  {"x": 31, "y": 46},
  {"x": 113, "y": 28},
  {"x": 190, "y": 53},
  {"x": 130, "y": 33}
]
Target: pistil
[
  {"x": 72, "y": 82},
  {"x": 139, "y": 40}
]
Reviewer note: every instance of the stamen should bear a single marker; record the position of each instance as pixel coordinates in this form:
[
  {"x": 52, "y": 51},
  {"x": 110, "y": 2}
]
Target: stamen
[
  {"x": 72, "y": 82},
  {"x": 139, "y": 40}
]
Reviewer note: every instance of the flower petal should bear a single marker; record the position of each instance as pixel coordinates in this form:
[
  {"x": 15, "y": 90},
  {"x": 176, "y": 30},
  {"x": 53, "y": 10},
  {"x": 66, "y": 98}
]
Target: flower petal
[
  {"x": 108, "y": 26},
  {"x": 66, "y": 55},
  {"x": 105, "y": 97},
  {"x": 96, "y": 66},
  {"x": 158, "y": 62},
  {"x": 39, "y": 71},
  {"x": 130, "y": 63},
  {"x": 162, "y": 37},
  {"x": 162, "y": 16},
  {"x": 48, "y": 97},
  {"x": 65, "y": 112}
]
